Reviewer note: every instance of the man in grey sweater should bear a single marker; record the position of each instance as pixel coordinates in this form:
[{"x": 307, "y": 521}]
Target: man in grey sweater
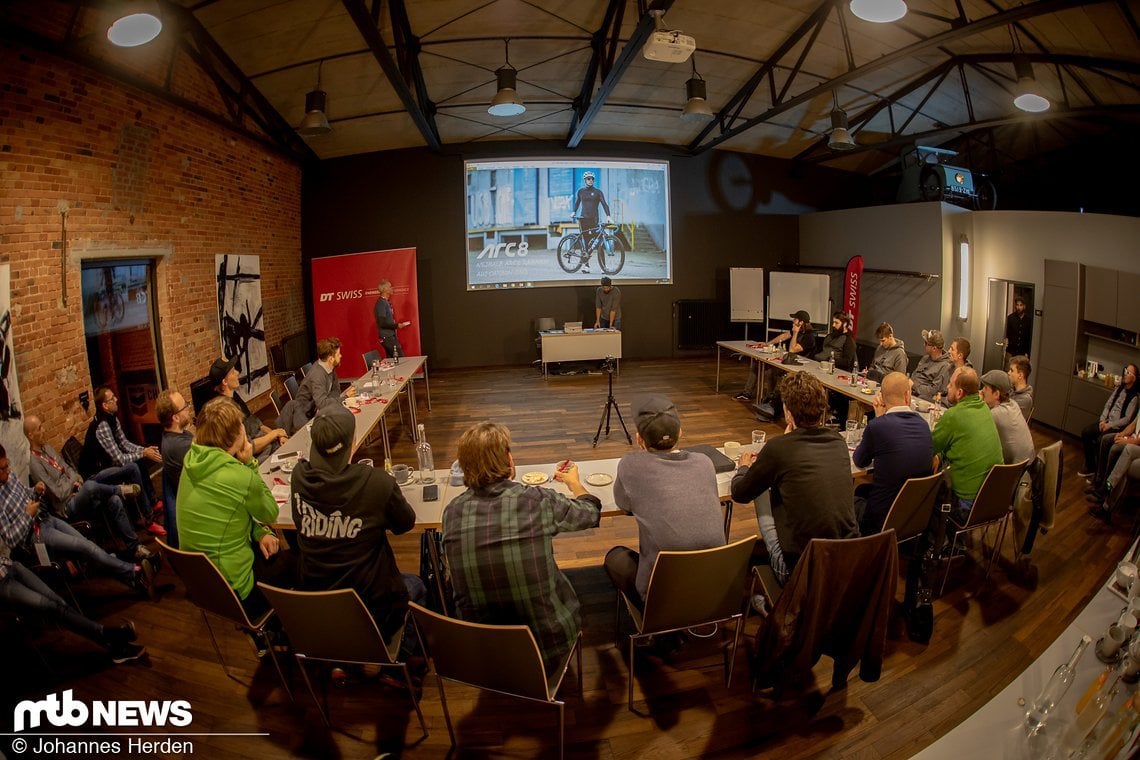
[
  {"x": 890, "y": 356},
  {"x": 671, "y": 493},
  {"x": 932, "y": 375}
]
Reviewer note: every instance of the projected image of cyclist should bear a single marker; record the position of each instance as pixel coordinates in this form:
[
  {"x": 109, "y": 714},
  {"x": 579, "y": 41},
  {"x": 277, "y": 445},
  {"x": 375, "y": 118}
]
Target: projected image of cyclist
[{"x": 588, "y": 199}]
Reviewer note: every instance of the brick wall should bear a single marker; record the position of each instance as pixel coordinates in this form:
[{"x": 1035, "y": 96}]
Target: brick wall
[{"x": 135, "y": 176}]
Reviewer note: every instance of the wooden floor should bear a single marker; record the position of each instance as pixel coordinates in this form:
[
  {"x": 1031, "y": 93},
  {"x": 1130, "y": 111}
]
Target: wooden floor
[{"x": 983, "y": 636}]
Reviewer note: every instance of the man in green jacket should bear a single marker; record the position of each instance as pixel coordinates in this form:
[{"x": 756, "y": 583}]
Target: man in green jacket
[
  {"x": 224, "y": 507},
  {"x": 966, "y": 439}
]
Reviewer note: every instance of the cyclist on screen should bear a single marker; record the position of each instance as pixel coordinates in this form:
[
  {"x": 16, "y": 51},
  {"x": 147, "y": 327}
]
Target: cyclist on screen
[{"x": 588, "y": 199}]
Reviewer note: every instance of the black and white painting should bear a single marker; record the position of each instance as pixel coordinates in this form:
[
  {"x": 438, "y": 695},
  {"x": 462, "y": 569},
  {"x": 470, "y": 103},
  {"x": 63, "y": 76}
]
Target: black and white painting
[
  {"x": 241, "y": 322},
  {"x": 11, "y": 410}
]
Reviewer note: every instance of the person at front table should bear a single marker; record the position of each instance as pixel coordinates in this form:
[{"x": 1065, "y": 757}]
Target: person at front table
[
  {"x": 801, "y": 340},
  {"x": 932, "y": 375},
  {"x": 672, "y": 494},
  {"x": 498, "y": 540},
  {"x": 838, "y": 345},
  {"x": 607, "y": 305},
  {"x": 320, "y": 387},
  {"x": 800, "y": 481},
  {"x": 343, "y": 513},
  {"x": 265, "y": 440},
  {"x": 897, "y": 442},
  {"x": 890, "y": 355},
  {"x": 966, "y": 439},
  {"x": 224, "y": 508}
]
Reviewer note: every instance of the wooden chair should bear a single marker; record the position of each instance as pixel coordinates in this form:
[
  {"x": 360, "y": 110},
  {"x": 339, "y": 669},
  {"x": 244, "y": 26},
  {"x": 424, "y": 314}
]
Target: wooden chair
[
  {"x": 501, "y": 658},
  {"x": 992, "y": 506},
  {"x": 208, "y": 590},
  {"x": 292, "y": 387},
  {"x": 689, "y": 589},
  {"x": 354, "y": 639}
]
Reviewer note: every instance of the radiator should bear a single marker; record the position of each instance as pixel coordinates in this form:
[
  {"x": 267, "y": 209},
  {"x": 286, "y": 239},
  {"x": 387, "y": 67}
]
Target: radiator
[{"x": 699, "y": 324}]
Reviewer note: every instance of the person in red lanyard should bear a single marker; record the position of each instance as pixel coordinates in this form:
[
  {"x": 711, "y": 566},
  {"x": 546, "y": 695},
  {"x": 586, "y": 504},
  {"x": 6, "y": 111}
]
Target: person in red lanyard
[{"x": 70, "y": 497}]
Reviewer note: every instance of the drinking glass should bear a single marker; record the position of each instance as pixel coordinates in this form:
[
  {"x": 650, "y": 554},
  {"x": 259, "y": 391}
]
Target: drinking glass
[
  {"x": 852, "y": 426},
  {"x": 758, "y": 438}
]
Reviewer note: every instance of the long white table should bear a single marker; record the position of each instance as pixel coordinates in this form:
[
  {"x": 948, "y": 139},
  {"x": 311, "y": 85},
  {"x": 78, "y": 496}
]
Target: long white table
[{"x": 561, "y": 346}]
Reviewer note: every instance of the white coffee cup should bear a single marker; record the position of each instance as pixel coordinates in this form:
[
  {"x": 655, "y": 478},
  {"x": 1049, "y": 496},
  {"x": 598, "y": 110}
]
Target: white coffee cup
[
  {"x": 1128, "y": 621},
  {"x": 366, "y": 462},
  {"x": 1125, "y": 573},
  {"x": 732, "y": 450},
  {"x": 1112, "y": 640},
  {"x": 402, "y": 473}
]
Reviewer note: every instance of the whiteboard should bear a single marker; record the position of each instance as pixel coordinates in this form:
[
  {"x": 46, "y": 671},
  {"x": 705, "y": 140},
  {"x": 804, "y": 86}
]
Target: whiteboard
[
  {"x": 792, "y": 291},
  {"x": 746, "y": 294}
]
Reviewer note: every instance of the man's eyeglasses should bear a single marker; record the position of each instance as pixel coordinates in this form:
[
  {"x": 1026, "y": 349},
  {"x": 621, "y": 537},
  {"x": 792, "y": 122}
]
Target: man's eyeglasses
[{"x": 183, "y": 409}]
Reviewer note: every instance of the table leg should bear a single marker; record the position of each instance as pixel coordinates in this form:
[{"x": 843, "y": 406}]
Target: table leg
[
  {"x": 760, "y": 367},
  {"x": 427, "y": 385},
  {"x": 727, "y": 517},
  {"x": 412, "y": 410},
  {"x": 718, "y": 369},
  {"x": 384, "y": 438}
]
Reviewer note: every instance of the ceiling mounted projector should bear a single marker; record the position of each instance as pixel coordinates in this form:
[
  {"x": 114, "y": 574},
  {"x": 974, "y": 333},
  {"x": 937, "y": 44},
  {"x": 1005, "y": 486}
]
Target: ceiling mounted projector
[{"x": 669, "y": 47}]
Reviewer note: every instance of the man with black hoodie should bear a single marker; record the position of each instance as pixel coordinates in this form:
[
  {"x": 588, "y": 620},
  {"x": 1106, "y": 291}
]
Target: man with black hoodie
[{"x": 342, "y": 512}]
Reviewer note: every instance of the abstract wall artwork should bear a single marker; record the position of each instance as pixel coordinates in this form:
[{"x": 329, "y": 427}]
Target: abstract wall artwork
[
  {"x": 11, "y": 411},
  {"x": 241, "y": 320}
]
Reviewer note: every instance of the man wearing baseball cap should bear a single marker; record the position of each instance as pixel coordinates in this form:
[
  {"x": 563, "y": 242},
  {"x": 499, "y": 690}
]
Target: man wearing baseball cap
[
  {"x": 1016, "y": 440},
  {"x": 932, "y": 375},
  {"x": 672, "y": 494},
  {"x": 343, "y": 513},
  {"x": 607, "y": 305},
  {"x": 225, "y": 379},
  {"x": 801, "y": 340}
]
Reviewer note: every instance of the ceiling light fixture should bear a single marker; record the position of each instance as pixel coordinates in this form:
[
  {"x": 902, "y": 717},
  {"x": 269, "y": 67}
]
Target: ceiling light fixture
[
  {"x": 315, "y": 122},
  {"x": 840, "y": 138},
  {"x": 878, "y": 11},
  {"x": 506, "y": 101},
  {"x": 696, "y": 98},
  {"x": 1027, "y": 95},
  {"x": 137, "y": 24}
]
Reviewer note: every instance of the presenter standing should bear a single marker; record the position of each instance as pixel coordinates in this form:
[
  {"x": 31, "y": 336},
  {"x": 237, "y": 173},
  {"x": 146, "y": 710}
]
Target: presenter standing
[
  {"x": 386, "y": 324},
  {"x": 607, "y": 305}
]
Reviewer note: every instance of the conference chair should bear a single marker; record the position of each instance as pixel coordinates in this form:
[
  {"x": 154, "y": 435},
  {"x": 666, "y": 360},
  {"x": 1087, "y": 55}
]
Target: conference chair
[
  {"x": 688, "y": 589},
  {"x": 354, "y": 639},
  {"x": 208, "y": 590},
  {"x": 277, "y": 401},
  {"x": 504, "y": 659},
  {"x": 910, "y": 512},
  {"x": 992, "y": 507},
  {"x": 169, "y": 497},
  {"x": 369, "y": 357},
  {"x": 292, "y": 387},
  {"x": 837, "y": 602},
  {"x": 305, "y": 369}
]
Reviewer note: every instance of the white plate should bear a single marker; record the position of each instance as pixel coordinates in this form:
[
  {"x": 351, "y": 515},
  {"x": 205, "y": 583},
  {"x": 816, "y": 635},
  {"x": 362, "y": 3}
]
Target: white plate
[
  {"x": 535, "y": 478},
  {"x": 599, "y": 479},
  {"x": 288, "y": 465}
]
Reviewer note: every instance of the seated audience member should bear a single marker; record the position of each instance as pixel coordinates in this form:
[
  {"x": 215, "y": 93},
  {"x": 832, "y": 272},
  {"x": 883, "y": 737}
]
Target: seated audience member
[
  {"x": 1125, "y": 470},
  {"x": 1098, "y": 487},
  {"x": 897, "y": 442},
  {"x": 343, "y": 513},
  {"x": 801, "y": 340},
  {"x": 265, "y": 440},
  {"x": 672, "y": 494},
  {"x": 1022, "y": 393},
  {"x": 319, "y": 387},
  {"x": 932, "y": 375},
  {"x": 109, "y": 457},
  {"x": 176, "y": 417},
  {"x": 966, "y": 439},
  {"x": 224, "y": 507},
  {"x": 497, "y": 538},
  {"x": 838, "y": 345},
  {"x": 70, "y": 497},
  {"x": 890, "y": 355},
  {"x": 1013, "y": 431},
  {"x": 800, "y": 481},
  {"x": 1119, "y": 410},
  {"x": 960, "y": 352},
  {"x": 23, "y": 523},
  {"x": 24, "y": 591}
]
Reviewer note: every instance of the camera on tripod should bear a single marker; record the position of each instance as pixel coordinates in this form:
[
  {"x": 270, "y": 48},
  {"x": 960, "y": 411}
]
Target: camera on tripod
[{"x": 609, "y": 364}]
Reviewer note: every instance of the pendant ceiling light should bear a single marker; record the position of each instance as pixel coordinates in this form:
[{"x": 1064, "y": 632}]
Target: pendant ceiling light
[
  {"x": 840, "y": 138},
  {"x": 696, "y": 98},
  {"x": 315, "y": 122},
  {"x": 878, "y": 11},
  {"x": 1027, "y": 95},
  {"x": 506, "y": 101},
  {"x": 137, "y": 24}
]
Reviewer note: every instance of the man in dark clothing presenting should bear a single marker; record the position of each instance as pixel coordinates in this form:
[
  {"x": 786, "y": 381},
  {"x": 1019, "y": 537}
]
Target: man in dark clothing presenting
[
  {"x": 800, "y": 481},
  {"x": 386, "y": 324},
  {"x": 588, "y": 199},
  {"x": 343, "y": 513}
]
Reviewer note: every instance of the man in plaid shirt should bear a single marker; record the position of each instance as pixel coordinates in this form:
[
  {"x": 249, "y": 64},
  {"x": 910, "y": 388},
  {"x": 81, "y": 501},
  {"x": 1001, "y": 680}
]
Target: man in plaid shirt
[
  {"x": 109, "y": 457},
  {"x": 497, "y": 538}
]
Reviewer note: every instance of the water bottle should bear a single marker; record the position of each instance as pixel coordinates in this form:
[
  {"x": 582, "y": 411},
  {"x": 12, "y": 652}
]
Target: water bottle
[
  {"x": 424, "y": 457},
  {"x": 1037, "y": 736},
  {"x": 855, "y": 372},
  {"x": 376, "y": 374}
]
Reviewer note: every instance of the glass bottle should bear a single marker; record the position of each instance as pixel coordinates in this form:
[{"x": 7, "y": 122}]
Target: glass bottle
[
  {"x": 424, "y": 457},
  {"x": 1110, "y": 739},
  {"x": 855, "y": 372},
  {"x": 1088, "y": 717},
  {"x": 1053, "y": 692}
]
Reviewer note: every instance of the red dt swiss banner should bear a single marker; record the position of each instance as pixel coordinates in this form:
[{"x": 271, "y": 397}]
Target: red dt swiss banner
[
  {"x": 344, "y": 296},
  {"x": 851, "y": 282}
]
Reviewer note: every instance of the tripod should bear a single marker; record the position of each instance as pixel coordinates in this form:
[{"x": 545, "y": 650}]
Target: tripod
[{"x": 611, "y": 403}]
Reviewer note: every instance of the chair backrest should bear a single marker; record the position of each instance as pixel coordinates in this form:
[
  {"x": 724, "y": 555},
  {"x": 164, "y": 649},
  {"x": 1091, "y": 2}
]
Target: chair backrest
[
  {"x": 910, "y": 512},
  {"x": 205, "y": 585},
  {"x": 278, "y": 402},
  {"x": 305, "y": 369},
  {"x": 72, "y": 451},
  {"x": 996, "y": 494},
  {"x": 369, "y": 358},
  {"x": 306, "y": 616},
  {"x": 691, "y": 587},
  {"x": 542, "y": 324},
  {"x": 1052, "y": 467},
  {"x": 292, "y": 387},
  {"x": 500, "y": 657}
]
